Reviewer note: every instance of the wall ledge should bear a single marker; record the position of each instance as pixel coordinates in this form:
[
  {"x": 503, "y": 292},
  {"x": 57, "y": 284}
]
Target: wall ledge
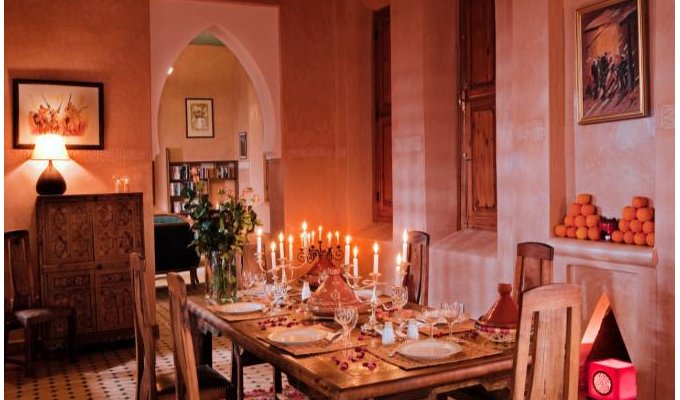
[
  {"x": 470, "y": 243},
  {"x": 604, "y": 251}
]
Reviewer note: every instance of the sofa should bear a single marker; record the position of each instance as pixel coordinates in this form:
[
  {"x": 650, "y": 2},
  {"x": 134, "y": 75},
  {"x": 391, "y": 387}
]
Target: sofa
[{"x": 172, "y": 235}]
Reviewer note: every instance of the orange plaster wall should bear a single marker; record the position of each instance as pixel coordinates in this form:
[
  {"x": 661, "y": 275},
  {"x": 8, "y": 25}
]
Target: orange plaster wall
[{"x": 83, "y": 41}]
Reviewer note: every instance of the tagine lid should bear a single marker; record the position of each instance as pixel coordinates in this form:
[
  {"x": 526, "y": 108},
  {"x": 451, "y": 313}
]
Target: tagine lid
[{"x": 504, "y": 313}]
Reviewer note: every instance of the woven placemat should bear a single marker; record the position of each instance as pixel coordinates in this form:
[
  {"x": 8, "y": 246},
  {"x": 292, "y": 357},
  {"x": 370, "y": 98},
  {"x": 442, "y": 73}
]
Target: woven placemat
[
  {"x": 470, "y": 352},
  {"x": 322, "y": 346},
  {"x": 230, "y": 317},
  {"x": 440, "y": 330}
]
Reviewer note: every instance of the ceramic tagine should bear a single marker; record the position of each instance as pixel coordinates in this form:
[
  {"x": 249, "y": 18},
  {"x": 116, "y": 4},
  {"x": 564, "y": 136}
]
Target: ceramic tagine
[{"x": 499, "y": 324}]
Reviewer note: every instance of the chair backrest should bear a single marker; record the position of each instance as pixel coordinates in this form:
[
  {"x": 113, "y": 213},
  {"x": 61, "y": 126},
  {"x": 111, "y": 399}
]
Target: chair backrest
[
  {"x": 534, "y": 267},
  {"x": 549, "y": 335},
  {"x": 23, "y": 279},
  {"x": 145, "y": 348},
  {"x": 248, "y": 259},
  {"x": 186, "y": 375},
  {"x": 418, "y": 271}
]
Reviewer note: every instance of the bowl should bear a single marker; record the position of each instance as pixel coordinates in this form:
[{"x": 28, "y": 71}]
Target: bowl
[{"x": 496, "y": 334}]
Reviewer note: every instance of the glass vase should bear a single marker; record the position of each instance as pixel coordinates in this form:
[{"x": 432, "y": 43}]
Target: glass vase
[{"x": 223, "y": 284}]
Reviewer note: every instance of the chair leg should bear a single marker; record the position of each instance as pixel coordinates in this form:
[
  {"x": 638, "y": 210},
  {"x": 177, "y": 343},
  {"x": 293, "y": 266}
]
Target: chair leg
[
  {"x": 29, "y": 343},
  {"x": 237, "y": 370},
  {"x": 278, "y": 381},
  {"x": 72, "y": 336},
  {"x": 193, "y": 275}
]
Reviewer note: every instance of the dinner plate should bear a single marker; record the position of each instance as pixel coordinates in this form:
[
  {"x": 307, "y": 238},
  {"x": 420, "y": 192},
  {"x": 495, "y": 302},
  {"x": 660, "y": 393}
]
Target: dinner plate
[
  {"x": 239, "y": 308},
  {"x": 296, "y": 336},
  {"x": 428, "y": 349},
  {"x": 366, "y": 293}
]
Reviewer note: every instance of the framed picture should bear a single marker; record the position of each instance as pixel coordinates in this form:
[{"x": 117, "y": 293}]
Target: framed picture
[
  {"x": 72, "y": 109},
  {"x": 611, "y": 61},
  {"x": 243, "y": 145},
  {"x": 199, "y": 118}
]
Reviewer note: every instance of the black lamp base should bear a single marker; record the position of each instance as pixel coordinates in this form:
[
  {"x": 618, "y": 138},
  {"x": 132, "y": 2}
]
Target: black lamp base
[{"x": 50, "y": 181}]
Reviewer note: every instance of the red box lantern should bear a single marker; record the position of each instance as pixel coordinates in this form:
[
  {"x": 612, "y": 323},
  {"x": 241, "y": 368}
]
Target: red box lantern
[{"x": 611, "y": 379}]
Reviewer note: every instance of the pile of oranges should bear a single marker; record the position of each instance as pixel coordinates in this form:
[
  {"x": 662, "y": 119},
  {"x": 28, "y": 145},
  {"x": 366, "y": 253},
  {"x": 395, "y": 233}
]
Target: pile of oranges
[
  {"x": 636, "y": 224},
  {"x": 582, "y": 221}
]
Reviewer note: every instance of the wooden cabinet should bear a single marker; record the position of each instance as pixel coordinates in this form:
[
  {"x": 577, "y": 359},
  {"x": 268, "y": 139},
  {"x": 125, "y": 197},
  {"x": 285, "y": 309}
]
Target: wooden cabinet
[
  {"x": 217, "y": 175},
  {"x": 83, "y": 246}
]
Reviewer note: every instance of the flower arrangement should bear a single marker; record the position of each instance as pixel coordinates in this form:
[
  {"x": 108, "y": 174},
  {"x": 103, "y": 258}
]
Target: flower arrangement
[{"x": 220, "y": 232}]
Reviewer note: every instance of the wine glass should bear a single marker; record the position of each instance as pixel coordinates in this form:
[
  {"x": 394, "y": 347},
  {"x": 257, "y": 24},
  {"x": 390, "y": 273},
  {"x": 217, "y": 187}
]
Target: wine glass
[
  {"x": 431, "y": 315},
  {"x": 451, "y": 313},
  {"x": 247, "y": 280},
  {"x": 399, "y": 300},
  {"x": 347, "y": 317}
]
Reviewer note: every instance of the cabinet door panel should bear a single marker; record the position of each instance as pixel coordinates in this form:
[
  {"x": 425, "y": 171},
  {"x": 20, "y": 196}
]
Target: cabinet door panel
[
  {"x": 71, "y": 289},
  {"x": 114, "y": 299},
  {"x": 117, "y": 229},
  {"x": 68, "y": 233}
]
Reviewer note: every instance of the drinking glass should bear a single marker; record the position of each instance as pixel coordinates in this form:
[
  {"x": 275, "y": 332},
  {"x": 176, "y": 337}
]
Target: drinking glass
[
  {"x": 399, "y": 300},
  {"x": 347, "y": 317},
  {"x": 451, "y": 313},
  {"x": 431, "y": 315},
  {"x": 247, "y": 280},
  {"x": 274, "y": 293}
]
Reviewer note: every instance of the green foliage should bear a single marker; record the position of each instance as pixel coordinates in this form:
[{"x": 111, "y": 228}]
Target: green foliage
[{"x": 224, "y": 228}]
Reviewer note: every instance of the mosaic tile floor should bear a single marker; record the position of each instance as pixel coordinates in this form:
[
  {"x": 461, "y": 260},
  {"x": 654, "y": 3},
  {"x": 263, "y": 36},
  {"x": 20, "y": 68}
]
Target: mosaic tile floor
[{"x": 109, "y": 373}]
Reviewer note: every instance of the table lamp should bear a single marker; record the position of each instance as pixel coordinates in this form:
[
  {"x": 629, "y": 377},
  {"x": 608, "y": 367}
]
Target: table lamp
[{"x": 50, "y": 147}]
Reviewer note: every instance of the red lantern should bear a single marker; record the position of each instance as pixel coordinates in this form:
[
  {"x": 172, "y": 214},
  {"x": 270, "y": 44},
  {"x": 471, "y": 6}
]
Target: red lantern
[{"x": 611, "y": 379}]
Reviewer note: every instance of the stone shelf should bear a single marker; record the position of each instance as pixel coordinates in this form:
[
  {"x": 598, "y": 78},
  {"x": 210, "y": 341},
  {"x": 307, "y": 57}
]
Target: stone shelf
[{"x": 606, "y": 251}]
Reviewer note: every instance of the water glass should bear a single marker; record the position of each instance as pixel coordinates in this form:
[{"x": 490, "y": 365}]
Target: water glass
[
  {"x": 451, "y": 313},
  {"x": 399, "y": 300},
  {"x": 431, "y": 315},
  {"x": 347, "y": 318}
]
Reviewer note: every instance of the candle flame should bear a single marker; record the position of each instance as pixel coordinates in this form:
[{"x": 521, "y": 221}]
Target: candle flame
[
  {"x": 375, "y": 247},
  {"x": 404, "y": 236},
  {"x": 348, "y": 239},
  {"x": 259, "y": 231},
  {"x": 273, "y": 246},
  {"x": 356, "y": 251},
  {"x": 398, "y": 259},
  {"x": 281, "y": 237},
  {"x": 304, "y": 225},
  {"x": 290, "y": 239}
]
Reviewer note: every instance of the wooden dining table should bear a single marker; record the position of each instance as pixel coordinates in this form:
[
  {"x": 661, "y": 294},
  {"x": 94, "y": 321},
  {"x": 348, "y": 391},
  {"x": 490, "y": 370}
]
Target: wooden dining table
[{"x": 319, "y": 377}]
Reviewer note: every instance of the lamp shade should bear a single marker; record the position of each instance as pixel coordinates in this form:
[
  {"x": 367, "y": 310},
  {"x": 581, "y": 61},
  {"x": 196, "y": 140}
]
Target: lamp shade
[{"x": 50, "y": 146}]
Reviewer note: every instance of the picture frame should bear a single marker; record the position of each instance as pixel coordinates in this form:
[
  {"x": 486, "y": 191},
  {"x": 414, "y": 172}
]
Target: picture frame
[
  {"x": 243, "y": 145},
  {"x": 199, "y": 118},
  {"x": 73, "y": 109},
  {"x": 612, "y": 65}
]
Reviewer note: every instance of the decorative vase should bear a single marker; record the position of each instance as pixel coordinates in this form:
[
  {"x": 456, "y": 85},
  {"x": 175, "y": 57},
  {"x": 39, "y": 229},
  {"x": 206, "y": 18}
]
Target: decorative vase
[{"x": 223, "y": 284}]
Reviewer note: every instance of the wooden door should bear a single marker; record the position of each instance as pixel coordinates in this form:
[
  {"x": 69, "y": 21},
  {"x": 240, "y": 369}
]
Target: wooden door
[
  {"x": 382, "y": 143},
  {"x": 478, "y": 109}
]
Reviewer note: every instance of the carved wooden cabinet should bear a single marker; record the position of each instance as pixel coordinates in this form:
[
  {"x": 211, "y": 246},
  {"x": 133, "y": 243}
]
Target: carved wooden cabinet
[{"x": 83, "y": 246}]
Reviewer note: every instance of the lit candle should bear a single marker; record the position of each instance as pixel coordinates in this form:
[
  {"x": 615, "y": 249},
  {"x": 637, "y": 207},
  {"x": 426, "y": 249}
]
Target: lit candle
[
  {"x": 281, "y": 253},
  {"x": 337, "y": 238},
  {"x": 375, "y": 257},
  {"x": 356, "y": 261},
  {"x": 320, "y": 233},
  {"x": 404, "y": 245},
  {"x": 273, "y": 254},
  {"x": 290, "y": 247},
  {"x": 313, "y": 237},
  {"x": 329, "y": 237},
  {"x": 397, "y": 279},
  {"x": 305, "y": 238},
  {"x": 259, "y": 241},
  {"x": 347, "y": 240}
]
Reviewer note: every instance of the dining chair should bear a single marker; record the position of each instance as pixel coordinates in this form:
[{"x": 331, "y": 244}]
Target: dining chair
[
  {"x": 417, "y": 276},
  {"x": 149, "y": 385},
  {"x": 534, "y": 267},
  {"x": 23, "y": 308},
  {"x": 546, "y": 358},
  {"x": 192, "y": 382}
]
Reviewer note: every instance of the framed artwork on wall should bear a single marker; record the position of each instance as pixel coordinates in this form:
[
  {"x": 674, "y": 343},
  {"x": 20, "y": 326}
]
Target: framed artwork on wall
[
  {"x": 243, "y": 145},
  {"x": 611, "y": 67},
  {"x": 74, "y": 110},
  {"x": 199, "y": 118}
]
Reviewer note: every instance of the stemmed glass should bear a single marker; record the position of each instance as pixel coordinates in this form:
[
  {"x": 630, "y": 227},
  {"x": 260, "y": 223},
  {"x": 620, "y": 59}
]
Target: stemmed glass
[
  {"x": 275, "y": 292},
  {"x": 431, "y": 315},
  {"x": 247, "y": 280},
  {"x": 452, "y": 313},
  {"x": 399, "y": 300},
  {"x": 347, "y": 317}
]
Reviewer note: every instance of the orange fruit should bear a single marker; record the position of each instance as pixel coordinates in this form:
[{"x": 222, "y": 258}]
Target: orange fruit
[
  {"x": 648, "y": 227},
  {"x": 645, "y": 214},
  {"x": 628, "y": 213},
  {"x": 581, "y": 233},
  {"x": 571, "y": 232},
  {"x": 569, "y": 220},
  {"x": 650, "y": 239},
  {"x": 629, "y": 237},
  {"x": 574, "y": 209},
  {"x": 587, "y": 209},
  {"x": 592, "y": 221},
  {"x": 580, "y": 221},
  {"x": 636, "y": 225},
  {"x": 583, "y": 198},
  {"x": 617, "y": 236},
  {"x": 561, "y": 230},
  {"x": 640, "y": 201},
  {"x": 594, "y": 233},
  {"x": 639, "y": 239},
  {"x": 624, "y": 225}
]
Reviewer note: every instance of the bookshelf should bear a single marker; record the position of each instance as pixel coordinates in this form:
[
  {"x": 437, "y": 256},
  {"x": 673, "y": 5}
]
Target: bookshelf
[{"x": 217, "y": 174}]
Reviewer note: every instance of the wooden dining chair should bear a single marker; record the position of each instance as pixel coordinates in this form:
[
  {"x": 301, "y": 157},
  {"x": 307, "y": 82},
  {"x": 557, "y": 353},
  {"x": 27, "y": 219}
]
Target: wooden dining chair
[
  {"x": 417, "y": 277},
  {"x": 547, "y": 351},
  {"x": 192, "y": 382},
  {"x": 149, "y": 385},
  {"x": 23, "y": 307},
  {"x": 534, "y": 267}
]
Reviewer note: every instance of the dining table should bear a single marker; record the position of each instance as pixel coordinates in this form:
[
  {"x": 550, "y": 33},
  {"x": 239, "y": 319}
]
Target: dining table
[{"x": 362, "y": 369}]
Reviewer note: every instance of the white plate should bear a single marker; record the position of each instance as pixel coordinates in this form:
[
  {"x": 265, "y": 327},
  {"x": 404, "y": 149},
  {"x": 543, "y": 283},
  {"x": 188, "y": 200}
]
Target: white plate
[
  {"x": 296, "y": 336},
  {"x": 366, "y": 293},
  {"x": 239, "y": 308},
  {"x": 428, "y": 349}
]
